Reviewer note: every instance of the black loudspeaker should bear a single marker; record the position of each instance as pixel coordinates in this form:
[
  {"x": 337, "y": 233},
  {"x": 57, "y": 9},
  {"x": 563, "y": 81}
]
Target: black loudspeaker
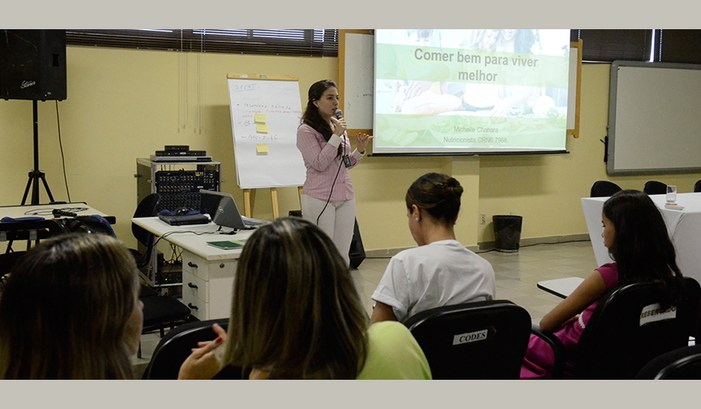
[{"x": 33, "y": 64}]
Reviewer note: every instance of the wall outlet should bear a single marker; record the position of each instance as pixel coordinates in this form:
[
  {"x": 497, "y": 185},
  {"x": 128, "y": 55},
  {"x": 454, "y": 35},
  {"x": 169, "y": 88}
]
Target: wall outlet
[{"x": 483, "y": 219}]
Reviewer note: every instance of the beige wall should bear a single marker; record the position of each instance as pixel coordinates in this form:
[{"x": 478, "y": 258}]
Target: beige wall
[
  {"x": 546, "y": 190},
  {"x": 125, "y": 104}
]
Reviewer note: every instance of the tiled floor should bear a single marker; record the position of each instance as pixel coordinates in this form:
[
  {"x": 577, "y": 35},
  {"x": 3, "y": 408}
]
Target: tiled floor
[{"x": 517, "y": 275}]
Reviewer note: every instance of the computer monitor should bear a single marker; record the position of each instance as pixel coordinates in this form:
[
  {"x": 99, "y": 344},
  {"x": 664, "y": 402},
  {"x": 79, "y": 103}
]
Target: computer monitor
[{"x": 222, "y": 208}]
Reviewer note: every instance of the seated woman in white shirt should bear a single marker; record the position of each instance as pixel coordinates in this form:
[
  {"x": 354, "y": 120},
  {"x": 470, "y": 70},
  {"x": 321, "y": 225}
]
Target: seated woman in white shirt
[{"x": 439, "y": 272}]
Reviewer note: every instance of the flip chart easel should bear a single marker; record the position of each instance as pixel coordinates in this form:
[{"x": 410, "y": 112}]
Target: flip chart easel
[
  {"x": 265, "y": 114},
  {"x": 249, "y": 198}
]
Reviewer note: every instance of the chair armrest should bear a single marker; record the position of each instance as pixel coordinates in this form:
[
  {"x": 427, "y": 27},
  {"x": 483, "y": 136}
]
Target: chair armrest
[{"x": 557, "y": 347}]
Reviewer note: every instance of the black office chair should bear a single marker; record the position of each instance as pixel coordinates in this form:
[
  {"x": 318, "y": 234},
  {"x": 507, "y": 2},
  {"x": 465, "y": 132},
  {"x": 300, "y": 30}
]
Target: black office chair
[
  {"x": 603, "y": 188},
  {"x": 147, "y": 207},
  {"x": 697, "y": 186},
  {"x": 160, "y": 311},
  {"x": 624, "y": 332},
  {"x": 681, "y": 363},
  {"x": 477, "y": 340},
  {"x": 7, "y": 260},
  {"x": 653, "y": 187},
  {"x": 177, "y": 345}
]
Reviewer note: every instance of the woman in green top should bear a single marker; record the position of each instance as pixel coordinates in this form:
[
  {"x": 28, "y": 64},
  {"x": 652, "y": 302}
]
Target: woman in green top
[{"x": 296, "y": 314}]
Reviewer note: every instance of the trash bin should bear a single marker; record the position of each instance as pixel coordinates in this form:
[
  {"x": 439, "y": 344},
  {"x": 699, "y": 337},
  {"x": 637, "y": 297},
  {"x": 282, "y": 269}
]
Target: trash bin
[{"x": 507, "y": 233}]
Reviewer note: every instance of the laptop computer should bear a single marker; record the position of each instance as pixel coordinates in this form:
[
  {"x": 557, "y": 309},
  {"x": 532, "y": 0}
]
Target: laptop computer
[{"x": 222, "y": 208}]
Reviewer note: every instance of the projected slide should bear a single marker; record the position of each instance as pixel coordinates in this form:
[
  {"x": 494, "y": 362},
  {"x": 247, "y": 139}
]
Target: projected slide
[{"x": 470, "y": 91}]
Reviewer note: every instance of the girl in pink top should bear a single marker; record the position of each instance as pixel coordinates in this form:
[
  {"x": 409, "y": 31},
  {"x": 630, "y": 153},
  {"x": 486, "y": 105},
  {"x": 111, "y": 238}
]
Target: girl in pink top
[
  {"x": 327, "y": 197},
  {"x": 636, "y": 236}
]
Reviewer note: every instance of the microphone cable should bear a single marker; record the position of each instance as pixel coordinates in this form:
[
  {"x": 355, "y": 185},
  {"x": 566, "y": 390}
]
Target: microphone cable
[{"x": 332, "y": 184}]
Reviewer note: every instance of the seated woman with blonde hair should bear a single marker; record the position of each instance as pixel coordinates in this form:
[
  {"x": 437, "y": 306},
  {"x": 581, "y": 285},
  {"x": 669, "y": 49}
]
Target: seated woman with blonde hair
[
  {"x": 296, "y": 314},
  {"x": 71, "y": 310}
]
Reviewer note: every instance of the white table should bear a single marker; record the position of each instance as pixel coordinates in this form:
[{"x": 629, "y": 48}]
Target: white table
[
  {"x": 562, "y": 287},
  {"x": 684, "y": 227},
  {"x": 80, "y": 208},
  {"x": 208, "y": 272},
  {"x": 44, "y": 211}
]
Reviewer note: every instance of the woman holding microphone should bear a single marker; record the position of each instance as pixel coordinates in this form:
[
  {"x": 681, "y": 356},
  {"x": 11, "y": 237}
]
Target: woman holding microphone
[{"x": 328, "y": 199}]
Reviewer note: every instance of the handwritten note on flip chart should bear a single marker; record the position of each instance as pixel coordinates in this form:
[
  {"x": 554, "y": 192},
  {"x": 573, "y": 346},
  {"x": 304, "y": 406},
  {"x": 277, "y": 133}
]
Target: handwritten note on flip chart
[{"x": 265, "y": 114}]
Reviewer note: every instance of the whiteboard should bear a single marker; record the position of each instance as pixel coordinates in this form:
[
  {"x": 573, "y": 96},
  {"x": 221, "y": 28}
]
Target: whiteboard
[
  {"x": 573, "y": 89},
  {"x": 654, "y": 123},
  {"x": 265, "y": 114},
  {"x": 358, "y": 80}
]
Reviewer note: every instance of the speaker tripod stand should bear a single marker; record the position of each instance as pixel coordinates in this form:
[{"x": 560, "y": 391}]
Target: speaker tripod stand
[{"x": 36, "y": 175}]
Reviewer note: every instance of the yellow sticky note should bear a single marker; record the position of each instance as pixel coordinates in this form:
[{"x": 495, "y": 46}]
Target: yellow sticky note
[
  {"x": 261, "y": 128},
  {"x": 262, "y": 149},
  {"x": 259, "y": 118}
]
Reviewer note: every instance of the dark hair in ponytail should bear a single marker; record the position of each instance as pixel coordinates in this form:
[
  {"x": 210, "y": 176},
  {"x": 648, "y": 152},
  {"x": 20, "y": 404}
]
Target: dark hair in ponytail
[{"x": 438, "y": 194}]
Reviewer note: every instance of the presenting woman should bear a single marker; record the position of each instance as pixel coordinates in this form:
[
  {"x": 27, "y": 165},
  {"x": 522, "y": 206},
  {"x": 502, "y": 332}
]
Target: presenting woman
[{"x": 327, "y": 197}]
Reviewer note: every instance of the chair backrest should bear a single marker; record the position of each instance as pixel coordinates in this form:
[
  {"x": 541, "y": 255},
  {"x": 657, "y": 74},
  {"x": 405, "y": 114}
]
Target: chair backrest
[
  {"x": 697, "y": 186},
  {"x": 147, "y": 207},
  {"x": 7, "y": 260},
  {"x": 176, "y": 346},
  {"x": 629, "y": 328},
  {"x": 477, "y": 340},
  {"x": 681, "y": 363},
  {"x": 653, "y": 187},
  {"x": 603, "y": 188}
]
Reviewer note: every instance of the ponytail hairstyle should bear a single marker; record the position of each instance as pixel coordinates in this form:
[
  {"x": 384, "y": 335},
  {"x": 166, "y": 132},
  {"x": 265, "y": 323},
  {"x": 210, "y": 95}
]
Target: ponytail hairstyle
[{"x": 438, "y": 195}]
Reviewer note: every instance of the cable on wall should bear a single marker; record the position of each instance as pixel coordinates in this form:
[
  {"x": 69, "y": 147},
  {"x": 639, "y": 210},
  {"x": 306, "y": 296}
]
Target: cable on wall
[{"x": 63, "y": 157}]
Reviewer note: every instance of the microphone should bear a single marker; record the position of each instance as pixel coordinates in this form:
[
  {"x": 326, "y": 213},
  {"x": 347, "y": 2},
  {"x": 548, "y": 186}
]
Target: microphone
[{"x": 338, "y": 113}]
